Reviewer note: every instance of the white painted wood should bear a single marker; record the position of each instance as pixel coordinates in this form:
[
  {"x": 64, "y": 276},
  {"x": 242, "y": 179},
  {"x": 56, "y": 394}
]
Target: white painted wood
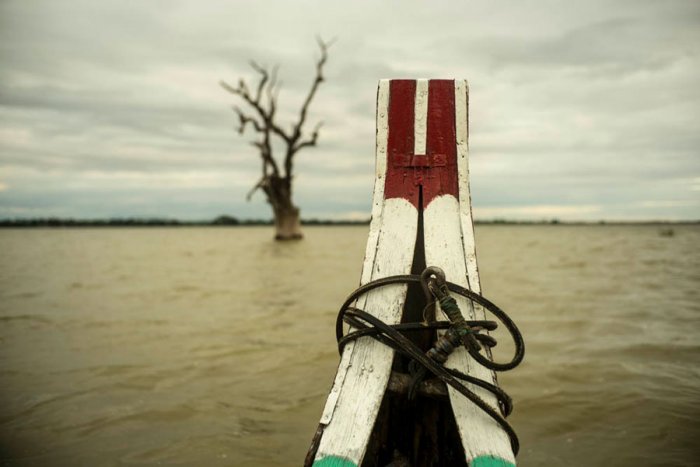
[
  {"x": 380, "y": 174},
  {"x": 363, "y": 374},
  {"x": 465, "y": 206},
  {"x": 450, "y": 245},
  {"x": 480, "y": 434},
  {"x": 420, "y": 117},
  {"x": 369, "y": 364},
  {"x": 372, "y": 238}
]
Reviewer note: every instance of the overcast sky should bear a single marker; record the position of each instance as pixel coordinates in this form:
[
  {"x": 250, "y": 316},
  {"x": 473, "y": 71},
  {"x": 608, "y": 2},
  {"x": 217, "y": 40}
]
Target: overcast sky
[{"x": 579, "y": 110}]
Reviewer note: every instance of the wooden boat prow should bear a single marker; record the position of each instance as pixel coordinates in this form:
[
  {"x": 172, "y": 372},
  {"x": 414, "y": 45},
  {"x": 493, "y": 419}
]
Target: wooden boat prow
[{"x": 421, "y": 215}]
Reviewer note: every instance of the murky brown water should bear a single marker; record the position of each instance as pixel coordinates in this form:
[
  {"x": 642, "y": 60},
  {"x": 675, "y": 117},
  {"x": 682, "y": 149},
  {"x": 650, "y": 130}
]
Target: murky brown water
[{"x": 215, "y": 346}]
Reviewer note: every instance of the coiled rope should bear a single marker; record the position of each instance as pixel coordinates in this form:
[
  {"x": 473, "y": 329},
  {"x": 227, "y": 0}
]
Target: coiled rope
[{"x": 458, "y": 331}]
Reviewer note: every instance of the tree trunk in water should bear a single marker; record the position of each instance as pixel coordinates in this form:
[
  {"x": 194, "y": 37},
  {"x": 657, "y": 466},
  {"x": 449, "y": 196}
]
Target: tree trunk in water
[
  {"x": 287, "y": 223},
  {"x": 287, "y": 219}
]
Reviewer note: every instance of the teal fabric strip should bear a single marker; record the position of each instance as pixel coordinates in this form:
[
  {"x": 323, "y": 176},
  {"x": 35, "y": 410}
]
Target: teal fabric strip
[
  {"x": 489, "y": 461},
  {"x": 334, "y": 461}
]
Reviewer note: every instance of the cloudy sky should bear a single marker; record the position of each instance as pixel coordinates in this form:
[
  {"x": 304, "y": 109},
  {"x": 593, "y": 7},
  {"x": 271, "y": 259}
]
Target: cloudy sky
[{"x": 579, "y": 110}]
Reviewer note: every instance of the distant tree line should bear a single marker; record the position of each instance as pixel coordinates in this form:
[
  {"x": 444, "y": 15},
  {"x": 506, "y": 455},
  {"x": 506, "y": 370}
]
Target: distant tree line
[
  {"x": 226, "y": 220},
  {"x": 223, "y": 220}
]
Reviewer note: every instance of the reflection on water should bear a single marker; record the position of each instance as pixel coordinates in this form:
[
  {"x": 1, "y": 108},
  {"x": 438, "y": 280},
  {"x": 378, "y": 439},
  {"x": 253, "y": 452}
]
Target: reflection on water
[{"x": 215, "y": 346}]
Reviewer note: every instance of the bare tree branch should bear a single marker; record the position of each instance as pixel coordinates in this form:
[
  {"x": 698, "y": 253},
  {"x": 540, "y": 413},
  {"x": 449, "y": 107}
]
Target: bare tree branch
[
  {"x": 294, "y": 145},
  {"x": 242, "y": 91},
  {"x": 263, "y": 126},
  {"x": 272, "y": 93},
  {"x": 318, "y": 80},
  {"x": 263, "y": 79},
  {"x": 245, "y": 119},
  {"x": 263, "y": 106},
  {"x": 257, "y": 186},
  {"x": 311, "y": 141}
]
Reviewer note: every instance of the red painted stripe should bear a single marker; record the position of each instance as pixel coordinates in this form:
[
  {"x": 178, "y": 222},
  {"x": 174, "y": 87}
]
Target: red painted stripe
[
  {"x": 436, "y": 171},
  {"x": 399, "y": 183},
  {"x": 442, "y": 141}
]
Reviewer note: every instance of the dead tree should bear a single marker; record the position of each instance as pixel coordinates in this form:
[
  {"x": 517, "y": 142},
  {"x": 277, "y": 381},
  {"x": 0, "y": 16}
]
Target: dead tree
[{"x": 276, "y": 183}]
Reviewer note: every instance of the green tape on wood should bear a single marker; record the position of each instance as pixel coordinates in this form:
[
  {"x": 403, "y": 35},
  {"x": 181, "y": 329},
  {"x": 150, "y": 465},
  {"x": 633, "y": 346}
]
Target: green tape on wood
[
  {"x": 489, "y": 461},
  {"x": 334, "y": 461}
]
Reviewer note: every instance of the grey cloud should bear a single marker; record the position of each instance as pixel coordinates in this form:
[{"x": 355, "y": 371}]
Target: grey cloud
[{"x": 591, "y": 104}]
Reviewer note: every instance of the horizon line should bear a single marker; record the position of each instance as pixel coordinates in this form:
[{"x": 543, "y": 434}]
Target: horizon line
[{"x": 228, "y": 220}]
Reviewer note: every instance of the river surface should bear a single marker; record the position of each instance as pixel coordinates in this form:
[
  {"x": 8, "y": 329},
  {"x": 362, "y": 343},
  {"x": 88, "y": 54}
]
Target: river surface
[{"x": 215, "y": 346}]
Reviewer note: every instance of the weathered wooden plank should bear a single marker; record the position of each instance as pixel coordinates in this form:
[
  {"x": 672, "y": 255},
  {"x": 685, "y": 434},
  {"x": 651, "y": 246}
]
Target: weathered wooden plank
[
  {"x": 363, "y": 375},
  {"x": 449, "y": 244}
]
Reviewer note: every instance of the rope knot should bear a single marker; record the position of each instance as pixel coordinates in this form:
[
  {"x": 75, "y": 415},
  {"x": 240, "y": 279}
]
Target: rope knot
[{"x": 457, "y": 332}]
